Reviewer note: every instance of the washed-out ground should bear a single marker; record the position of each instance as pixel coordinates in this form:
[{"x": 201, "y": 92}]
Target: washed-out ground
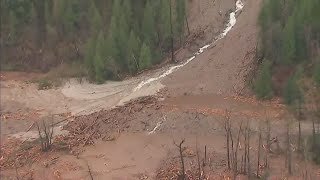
[{"x": 118, "y": 131}]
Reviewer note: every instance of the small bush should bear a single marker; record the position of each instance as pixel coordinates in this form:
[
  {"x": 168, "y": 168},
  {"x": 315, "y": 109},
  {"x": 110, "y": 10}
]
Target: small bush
[{"x": 44, "y": 84}]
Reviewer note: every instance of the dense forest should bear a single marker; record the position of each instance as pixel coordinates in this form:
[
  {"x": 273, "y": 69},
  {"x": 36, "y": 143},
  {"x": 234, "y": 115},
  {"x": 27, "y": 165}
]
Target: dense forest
[
  {"x": 109, "y": 38},
  {"x": 289, "y": 48}
]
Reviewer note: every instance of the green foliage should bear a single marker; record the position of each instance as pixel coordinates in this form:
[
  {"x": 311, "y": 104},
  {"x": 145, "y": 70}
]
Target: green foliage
[
  {"x": 164, "y": 29},
  {"x": 148, "y": 26},
  {"x": 98, "y": 61},
  {"x": 288, "y": 30},
  {"x": 70, "y": 15},
  {"x": 96, "y": 20},
  {"x": 263, "y": 84},
  {"x": 292, "y": 92},
  {"x": 20, "y": 9},
  {"x": 112, "y": 29},
  {"x": 292, "y": 22},
  {"x": 181, "y": 15},
  {"x": 90, "y": 54},
  {"x": 289, "y": 41},
  {"x": 133, "y": 53},
  {"x": 44, "y": 84},
  {"x": 145, "y": 57},
  {"x": 316, "y": 74}
]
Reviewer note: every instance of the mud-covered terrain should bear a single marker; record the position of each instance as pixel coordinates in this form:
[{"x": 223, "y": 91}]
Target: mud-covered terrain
[{"x": 131, "y": 129}]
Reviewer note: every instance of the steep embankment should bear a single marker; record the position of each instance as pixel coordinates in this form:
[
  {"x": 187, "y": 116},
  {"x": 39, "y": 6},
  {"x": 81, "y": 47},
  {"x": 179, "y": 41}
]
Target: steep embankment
[{"x": 222, "y": 68}]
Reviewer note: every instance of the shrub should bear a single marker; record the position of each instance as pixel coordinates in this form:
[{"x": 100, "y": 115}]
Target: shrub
[{"x": 263, "y": 83}]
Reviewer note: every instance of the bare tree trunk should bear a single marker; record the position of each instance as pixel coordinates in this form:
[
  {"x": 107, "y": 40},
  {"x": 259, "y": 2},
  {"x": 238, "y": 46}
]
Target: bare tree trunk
[
  {"x": 288, "y": 157},
  {"x": 187, "y": 23},
  {"x": 198, "y": 160},
  {"x": 248, "y": 148},
  {"x": 90, "y": 173},
  {"x": 183, "y": 175},
  {"x": 227, "y": 128},
  {"x": 268, "y": 135},
  {"x": 313, "y": 133},
  {"x": 235, "y": 168},
  {"x": 205, "y": 156},
  {"x": 259, "y": 152},
  {"x": 299, "y": 119},
  {"x": 171, "y": 33}
]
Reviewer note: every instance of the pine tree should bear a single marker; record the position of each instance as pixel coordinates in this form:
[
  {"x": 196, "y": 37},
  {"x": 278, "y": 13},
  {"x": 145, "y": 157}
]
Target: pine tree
[
  {"x": 133, "y": 53},
  {"x": 289, "y": 42},
  {"x": 99, "y": 59},
  {"x": 263, "y": 84},
  {"x": 165, "y": 24},
  {"x": 181, "y": 15},
  {"x": 89, "y": 56},
  {"x": 316, "y": 74},
  {"x": 148, "y": 25},
  {"x": 292, "y": 93},
  {"x": 145, "y": 57},
  {"x": 95, "y": 21}
]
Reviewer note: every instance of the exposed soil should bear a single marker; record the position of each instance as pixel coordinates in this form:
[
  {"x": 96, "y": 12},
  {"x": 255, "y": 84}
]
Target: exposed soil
[{"x": 117, "y": 132}]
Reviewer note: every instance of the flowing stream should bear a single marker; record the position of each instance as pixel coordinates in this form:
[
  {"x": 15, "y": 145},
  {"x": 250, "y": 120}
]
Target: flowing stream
[{"x": 229, "y": 26}]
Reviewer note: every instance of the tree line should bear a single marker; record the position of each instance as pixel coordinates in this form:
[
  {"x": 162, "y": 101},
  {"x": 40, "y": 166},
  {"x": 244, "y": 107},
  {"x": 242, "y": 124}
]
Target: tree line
[
  {"x": 111, "y": 38},
  {"x": 290, "y": 38}
]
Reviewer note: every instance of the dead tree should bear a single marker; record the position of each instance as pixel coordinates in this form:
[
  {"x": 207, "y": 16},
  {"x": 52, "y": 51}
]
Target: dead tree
[
  {"x": 181, "y": 149},
  {"x": 235, "y": 155},
  {"x": 288, "y": 150},
  {"x": 247, "y": 144},
  {"x": 187, "y": 23},
  {"x": 299, "y": 120},
  {"x": 227, "y": 128},
  {"x": 89, "y": 171},
  {"x": 205, "y": 156},
  {"x": 198, "y": 161},
  {"x": 171, "y": 33},
  {"x": 45, "y": 135},
  {"x": 268, "y": 136},
  {"x": 259, "y": 151}
]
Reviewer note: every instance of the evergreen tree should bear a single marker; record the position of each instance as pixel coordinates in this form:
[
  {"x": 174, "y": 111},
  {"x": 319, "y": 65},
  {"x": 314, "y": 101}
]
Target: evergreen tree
[
  {"x": 89, "y": 56},
  {"x": 133, "y": 53},
  {"x": 289, "y": 43},
  {"x": 148, "y": 26},
  {"x": 181, "y": 15},
  {"x": 127, "y": 8},
  {"x": 316, "y": 74},
  {"x": 292, "y": 93},
  {"x": 145, "y": 57},
  {"x": 165, "y": 24},
  {"x": 263, "y": 84},
  {"x": 95, "y": 21},
  {"x": 99, "y": 59}
]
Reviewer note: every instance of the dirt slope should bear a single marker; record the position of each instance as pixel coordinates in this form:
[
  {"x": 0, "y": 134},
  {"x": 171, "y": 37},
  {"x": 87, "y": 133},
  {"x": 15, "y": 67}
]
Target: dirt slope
[{"x": 221, "y": 69}]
